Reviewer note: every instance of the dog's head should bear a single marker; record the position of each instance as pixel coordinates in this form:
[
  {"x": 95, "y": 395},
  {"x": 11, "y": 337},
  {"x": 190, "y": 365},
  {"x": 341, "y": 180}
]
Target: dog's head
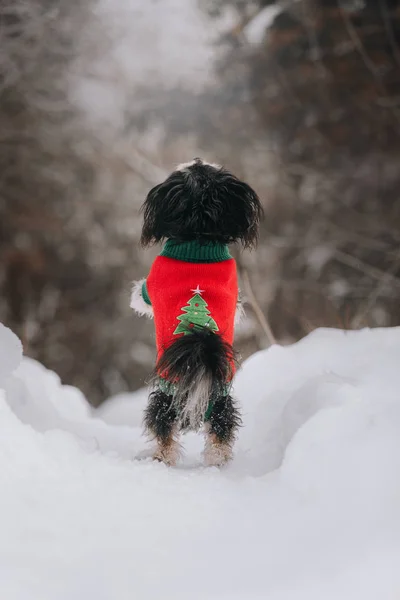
[{"x": 201, "y": 201}]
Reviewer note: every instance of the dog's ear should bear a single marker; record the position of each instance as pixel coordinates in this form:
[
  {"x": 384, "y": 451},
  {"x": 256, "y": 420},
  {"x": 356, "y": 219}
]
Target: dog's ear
[
  {"x": 240, "y": 210},
  {"x": 161, "y": 209}
]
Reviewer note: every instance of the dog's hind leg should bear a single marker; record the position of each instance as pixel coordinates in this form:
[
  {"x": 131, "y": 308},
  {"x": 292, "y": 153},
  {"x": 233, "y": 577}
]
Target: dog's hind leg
[
  {"x": 160, "y": 421},
  {"x": 220, "y": 431}
]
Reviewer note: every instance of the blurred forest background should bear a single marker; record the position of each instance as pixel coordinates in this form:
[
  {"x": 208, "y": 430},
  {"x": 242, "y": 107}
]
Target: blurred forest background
[{"x": 99, "y": 99}]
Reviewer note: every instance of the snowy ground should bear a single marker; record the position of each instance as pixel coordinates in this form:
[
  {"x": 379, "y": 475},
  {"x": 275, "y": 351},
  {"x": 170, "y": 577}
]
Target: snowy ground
[{"x": 310, "y": 507}]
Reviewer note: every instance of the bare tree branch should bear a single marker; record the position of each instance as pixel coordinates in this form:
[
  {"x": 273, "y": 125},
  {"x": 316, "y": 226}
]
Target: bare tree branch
[
  {"x": 385, "y": 279},
  {"x": 360, "y": 265},
  {"x": 256, "y": 308}
]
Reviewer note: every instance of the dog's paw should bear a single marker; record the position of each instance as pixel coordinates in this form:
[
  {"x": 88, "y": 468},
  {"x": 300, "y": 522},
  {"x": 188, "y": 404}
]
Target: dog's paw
[
  {"x": 217, "y": 454},
  {"x": 169, "y": 455}
]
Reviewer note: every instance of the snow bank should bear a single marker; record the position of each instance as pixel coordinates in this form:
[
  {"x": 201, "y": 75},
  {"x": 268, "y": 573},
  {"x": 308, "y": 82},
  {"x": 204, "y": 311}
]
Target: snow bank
[
  {"x": 10, "y": 352},
  {"x": 124, "y": 409},
  {"x": 308, "y": 509},
  {"x": 342, "y": 372},
  {"x": 37, "y": 397}
]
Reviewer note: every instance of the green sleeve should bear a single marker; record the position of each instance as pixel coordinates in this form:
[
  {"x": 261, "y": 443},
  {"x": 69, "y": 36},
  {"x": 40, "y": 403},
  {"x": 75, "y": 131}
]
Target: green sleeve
[{"x": 145, "y": 294}]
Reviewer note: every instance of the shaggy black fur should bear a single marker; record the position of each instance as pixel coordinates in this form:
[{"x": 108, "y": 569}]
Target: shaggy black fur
[
  {"x": 225, "y": 419},
  {"x": 160, "y": 415},
  {"x": 202, "y": 361},
  {"x": 202, "y": 202},
  {"x": 192, "y": 357}
]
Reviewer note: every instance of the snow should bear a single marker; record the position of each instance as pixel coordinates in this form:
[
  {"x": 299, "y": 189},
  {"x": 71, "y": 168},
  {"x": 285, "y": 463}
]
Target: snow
[
  {"x": 11, "y": 356},
  {"x": 309, "y": 508},
  {"x": 257, "y": 27}
]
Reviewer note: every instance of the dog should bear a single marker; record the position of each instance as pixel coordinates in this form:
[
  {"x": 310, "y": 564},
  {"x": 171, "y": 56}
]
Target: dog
[{"x": 192, "y": 293}]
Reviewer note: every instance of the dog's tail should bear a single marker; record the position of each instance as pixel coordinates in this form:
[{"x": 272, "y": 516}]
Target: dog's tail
[{"x": 200, "y": 365}]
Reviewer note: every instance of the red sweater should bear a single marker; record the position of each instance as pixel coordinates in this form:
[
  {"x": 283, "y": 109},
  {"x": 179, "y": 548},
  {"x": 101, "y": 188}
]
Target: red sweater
[{"x": 191, "y": 284}]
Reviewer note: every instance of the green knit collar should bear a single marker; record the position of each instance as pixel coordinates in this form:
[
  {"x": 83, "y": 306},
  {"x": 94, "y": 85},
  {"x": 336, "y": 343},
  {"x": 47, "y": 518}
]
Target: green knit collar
[{"x": 195, "y": 251}]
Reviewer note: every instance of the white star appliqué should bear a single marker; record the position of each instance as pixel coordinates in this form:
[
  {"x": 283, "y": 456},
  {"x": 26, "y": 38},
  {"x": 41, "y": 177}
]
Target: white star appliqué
[{"x": 197, "y": 290}]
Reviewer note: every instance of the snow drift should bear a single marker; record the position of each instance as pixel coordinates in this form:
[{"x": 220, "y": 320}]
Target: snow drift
[{"x": 308, "y": 509}]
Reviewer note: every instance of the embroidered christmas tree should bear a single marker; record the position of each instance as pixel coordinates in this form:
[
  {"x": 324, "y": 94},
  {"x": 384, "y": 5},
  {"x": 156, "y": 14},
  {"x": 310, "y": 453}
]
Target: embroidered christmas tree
[{"x": 195, "y": 313}]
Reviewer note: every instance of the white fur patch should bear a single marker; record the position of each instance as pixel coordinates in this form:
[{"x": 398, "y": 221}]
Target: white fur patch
[
  {"x": 137, "y": 303},
  {"x": 184, "y": 166},
  {"x": 240, "y": 313},
  {"x": 198, "y": 397}
]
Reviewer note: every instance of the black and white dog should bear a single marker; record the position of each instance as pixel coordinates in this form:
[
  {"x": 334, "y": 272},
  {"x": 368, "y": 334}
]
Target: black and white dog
[{"x": 192, "y": 292}]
